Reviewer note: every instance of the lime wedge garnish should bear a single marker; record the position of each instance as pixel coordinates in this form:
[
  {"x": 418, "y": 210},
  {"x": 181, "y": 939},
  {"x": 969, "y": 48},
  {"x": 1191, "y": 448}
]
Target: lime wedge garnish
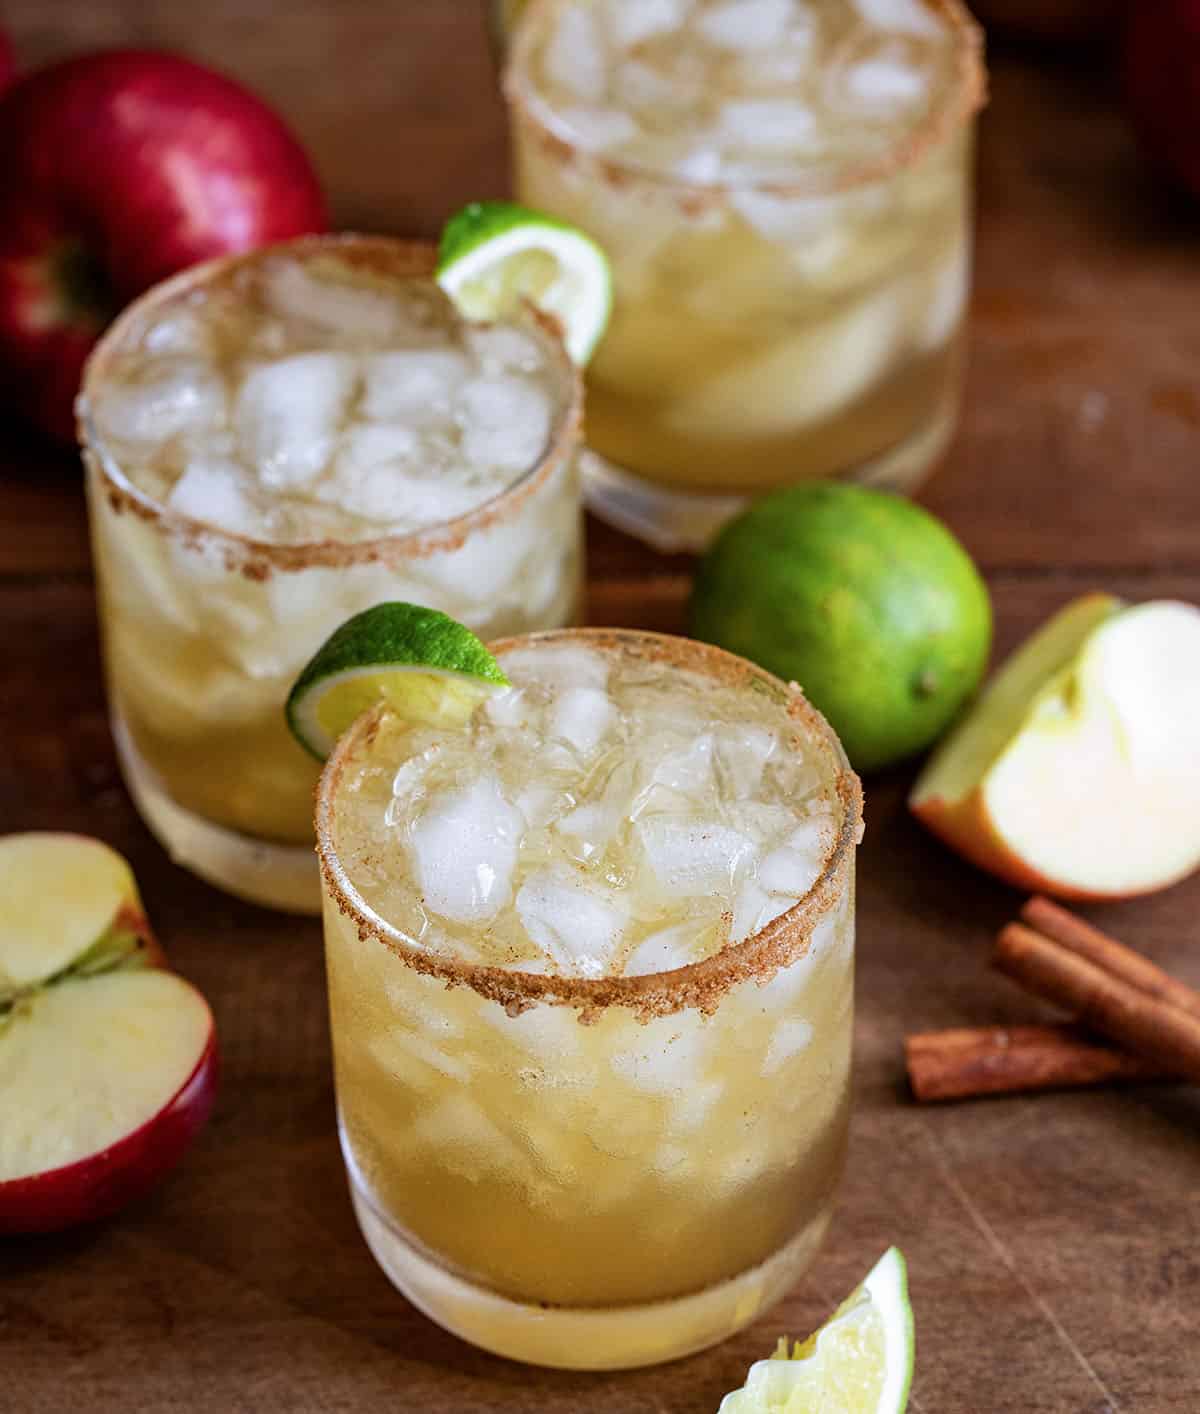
[
  {"x": 859, "y": 1362},
  {"x": 423, "y": 663},
  {"x": 495, "y": 254}
]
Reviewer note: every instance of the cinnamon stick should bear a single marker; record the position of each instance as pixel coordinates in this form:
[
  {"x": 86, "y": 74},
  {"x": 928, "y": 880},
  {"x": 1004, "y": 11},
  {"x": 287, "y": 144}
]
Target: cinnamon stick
[
  {"x": 1089, "y": 942},
  {"x": 1005, "y": 1060},
  {"x": 1143, "y": 1023}
]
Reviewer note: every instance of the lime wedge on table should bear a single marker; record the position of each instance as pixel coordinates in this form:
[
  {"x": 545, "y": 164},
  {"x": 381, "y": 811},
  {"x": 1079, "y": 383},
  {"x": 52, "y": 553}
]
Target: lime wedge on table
[
  {"x": 859, "y": 1362},
  {"x": 426, "y": 665},
  {"x": 494, "y": 254}
]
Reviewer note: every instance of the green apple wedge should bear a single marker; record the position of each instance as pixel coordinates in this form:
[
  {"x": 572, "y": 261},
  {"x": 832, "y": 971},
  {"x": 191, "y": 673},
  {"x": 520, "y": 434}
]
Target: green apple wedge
[{"x": 1077, "y": 771}]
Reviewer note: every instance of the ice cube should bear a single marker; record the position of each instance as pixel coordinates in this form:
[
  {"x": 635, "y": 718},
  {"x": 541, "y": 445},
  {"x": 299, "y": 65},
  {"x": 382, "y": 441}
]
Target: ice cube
[
  {"x": 947, "y": 298},
  {"x": 902, "y": 17},
  {"x": 884, "y": 86},
  {"x": 217, "y": 492},
  {"x": 489, "y": 562},
  {"x": 464, "y": 1137},
  {"x": 500, "y": 349},
  {"x": 641, "y": 85},
  {"x": 575, "y": 58},
  {"x": 505, "y": 421},
  {"x": 542, "y": 804},
  {"x": 787, "y": 1040},
  {"x": 179, "y": 395},
  {"x": 689, "y": 856},
  {"x": 702, "y": 165},
  {"x": 750, "y": 911},
  {"x": 179, "y": 330},
  {"x": 288, "y": 415},
  {"x": 598, "y": 129},
  {"x": 572, "y": 919},
  {"x": 813, "y": 835},
  {"x": 753, "y": 124},
  {"x": 413, "y": 385},
  {"x": 667, "y": 1060},
  {"x": 746, "y": 24},
  {"x": 791, "y": 218},
  {"x": 509, "y": 708},
  {"x": 393, "y": 1049},
  {"x": 464, "y": 847},
  {"x": 332, "y": 305},
  {"x": 591, "y": 828},
  {"x": 695, "y": 1105},
  {"x": 559, "y": 668},
  {"x": 742, "y": 755},
  {"x": 374, "y": 444},
  {"x": 631, "y": 22},
  {"x": 663, "y": 951},
  {"x": 787, "y": 872},
  {"x": 583, "y": 717},
  {"x": 687, "y": 769}
]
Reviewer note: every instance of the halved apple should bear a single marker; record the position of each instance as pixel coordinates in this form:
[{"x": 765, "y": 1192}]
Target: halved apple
[
  {"x": 1077, "y": 772},
  {"x": 108, "y": 1062}
]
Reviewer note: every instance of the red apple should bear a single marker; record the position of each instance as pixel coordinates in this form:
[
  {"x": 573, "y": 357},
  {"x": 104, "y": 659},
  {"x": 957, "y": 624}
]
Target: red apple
[
  {"x": 116, "y": 170},
  {"x": 1161, "y": 70},
  {"x": 108, "y": 1061}
]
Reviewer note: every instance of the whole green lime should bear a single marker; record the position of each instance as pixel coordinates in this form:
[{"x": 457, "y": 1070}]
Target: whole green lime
[{"x": 864, "y": 599}]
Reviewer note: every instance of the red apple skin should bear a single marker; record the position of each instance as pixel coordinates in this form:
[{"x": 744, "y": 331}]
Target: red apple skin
[
  {"x": 130, "y": 918},
  {"x": 116, "y": 170},
  {"x": 1161, "y": 73},
  {"x": 966, "y": 827},
  {"x": 102, "y": 1183}
]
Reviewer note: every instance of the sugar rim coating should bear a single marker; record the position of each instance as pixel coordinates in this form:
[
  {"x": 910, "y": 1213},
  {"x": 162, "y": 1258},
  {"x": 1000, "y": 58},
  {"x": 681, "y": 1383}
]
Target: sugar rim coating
[
  {"x": 965, "y": 96},
  {"x": 258, "y": 559},
  {"x": 697, "y": 984}
]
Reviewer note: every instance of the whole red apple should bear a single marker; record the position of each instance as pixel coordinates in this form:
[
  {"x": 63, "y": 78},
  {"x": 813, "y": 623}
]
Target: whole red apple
[
  {"x": 1161, "y": 66},
  {"x": 117, "y": 169}
]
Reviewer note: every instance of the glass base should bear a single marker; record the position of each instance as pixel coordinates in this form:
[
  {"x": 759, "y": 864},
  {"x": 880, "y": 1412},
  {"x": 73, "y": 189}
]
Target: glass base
[
  {"x": 277, "y": 876},
  {"x": 672, "y": 521},
  {"x": 614, "y": 1338}
]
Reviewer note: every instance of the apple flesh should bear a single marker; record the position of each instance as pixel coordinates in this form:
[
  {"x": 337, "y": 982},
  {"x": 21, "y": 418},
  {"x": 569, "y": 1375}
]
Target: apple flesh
[
  {"x": 118, "y": 169},
  {"x": 108, "y": 1062},
  {"x": 1077, "y": 773}
]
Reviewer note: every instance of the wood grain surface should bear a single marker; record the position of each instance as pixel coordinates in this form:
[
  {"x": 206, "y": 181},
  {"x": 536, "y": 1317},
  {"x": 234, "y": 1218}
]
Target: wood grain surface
[{"x": 1053, "y": 1241}]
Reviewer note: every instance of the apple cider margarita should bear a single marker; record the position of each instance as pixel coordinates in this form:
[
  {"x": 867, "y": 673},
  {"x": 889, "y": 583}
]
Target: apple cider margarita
[
  {"x": 590, "y": 960},
  {"x": 782, "y": 188},
  {"x": 274, "y": 442}
]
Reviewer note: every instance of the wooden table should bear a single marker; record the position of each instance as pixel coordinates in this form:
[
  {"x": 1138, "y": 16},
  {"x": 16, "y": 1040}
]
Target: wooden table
[{"x": 1053, "y": 1241}]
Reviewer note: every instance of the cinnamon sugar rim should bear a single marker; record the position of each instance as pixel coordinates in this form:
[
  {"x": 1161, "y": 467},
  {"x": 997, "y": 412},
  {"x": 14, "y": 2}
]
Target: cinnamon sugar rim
[
  {"x": 965, "y": 96},
  {"x": 699, "y": 985},
  {"x": 258, "y": 558}
]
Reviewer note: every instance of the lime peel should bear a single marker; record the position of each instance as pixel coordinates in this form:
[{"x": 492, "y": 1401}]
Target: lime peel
[
  {"x": 494, "y": 255},
  {"x": 427, "y": 666}
]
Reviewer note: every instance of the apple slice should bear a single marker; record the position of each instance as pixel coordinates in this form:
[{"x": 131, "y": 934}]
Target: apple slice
[
  {"x": 1077, "y": 772},
  {"x": 108, "y": 1062}
]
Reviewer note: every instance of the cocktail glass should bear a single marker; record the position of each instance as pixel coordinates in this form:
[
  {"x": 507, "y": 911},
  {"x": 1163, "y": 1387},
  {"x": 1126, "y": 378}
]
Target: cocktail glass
[
  {"x": 204, "y": 630},
  {"x": 765, "y": 330},
  {"x": 586, "y": 1171}
]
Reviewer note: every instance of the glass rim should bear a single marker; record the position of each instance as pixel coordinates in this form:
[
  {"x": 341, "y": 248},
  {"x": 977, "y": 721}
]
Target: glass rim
[
  {"x": 699, "y": 985},
  {"x": 258, "y": 559},
  {"x": 965, "y": 96}
]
